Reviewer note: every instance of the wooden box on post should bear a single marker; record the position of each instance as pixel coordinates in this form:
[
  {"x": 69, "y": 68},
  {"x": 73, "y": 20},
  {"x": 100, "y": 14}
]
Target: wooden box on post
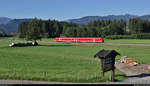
[{"x": 107, "y": 58}]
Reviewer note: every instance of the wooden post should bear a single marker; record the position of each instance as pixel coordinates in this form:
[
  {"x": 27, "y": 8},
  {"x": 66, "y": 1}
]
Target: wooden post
[
  {"x": 102, "y": 67},
  {"x": 45, "y": 75},
  {"x": 113, "y": 75},
  {"x": 78, "y": 76},
  {"x": 14, "y": 72},
  {"x": 102, "y": 74},
  {"x": 94, "y": 75}
]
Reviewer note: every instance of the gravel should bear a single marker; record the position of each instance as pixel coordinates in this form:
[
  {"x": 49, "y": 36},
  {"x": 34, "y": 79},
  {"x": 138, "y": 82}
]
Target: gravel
[{"x": 135, "y": 74}]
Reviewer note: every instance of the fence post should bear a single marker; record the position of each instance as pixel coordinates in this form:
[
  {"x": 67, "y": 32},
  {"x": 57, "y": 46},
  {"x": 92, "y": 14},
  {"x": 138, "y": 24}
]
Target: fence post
[
  {"x": 78, "y": 76},
  {"x": 22, "y": 77},
  {"x": 22, "y": 81},
  {"x": 94, "y": 75},
  {"x": 87, "y": 78},
  {"x": 14, "y": 72},
  {"x": 44, "y": 75}
]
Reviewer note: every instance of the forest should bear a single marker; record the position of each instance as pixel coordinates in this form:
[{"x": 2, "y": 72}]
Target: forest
[{"x": 113, "y": 29}]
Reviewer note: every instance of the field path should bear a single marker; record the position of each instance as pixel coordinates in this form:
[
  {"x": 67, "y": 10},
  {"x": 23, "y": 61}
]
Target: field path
[
  {"x": 135, "y": 75},
  {"x": 44, "y": 82}
]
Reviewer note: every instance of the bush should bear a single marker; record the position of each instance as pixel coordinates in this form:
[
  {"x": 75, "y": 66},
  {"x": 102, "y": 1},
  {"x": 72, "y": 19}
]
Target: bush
[
  {"x": 133, "y": 36},
  {"x": 141, "y": 36},
  {"x": 119, "y": 37},
  {"x": 6, "y": 35}
]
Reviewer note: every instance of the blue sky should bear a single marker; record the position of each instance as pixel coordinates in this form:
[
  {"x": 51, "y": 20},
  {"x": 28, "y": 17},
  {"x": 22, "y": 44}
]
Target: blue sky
[{"x": 70, "y": 9}]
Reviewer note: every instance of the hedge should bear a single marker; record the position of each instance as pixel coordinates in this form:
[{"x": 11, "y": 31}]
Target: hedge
[
  {"x": 119, "y": 37},
  {"x": 133, "y": 36}
]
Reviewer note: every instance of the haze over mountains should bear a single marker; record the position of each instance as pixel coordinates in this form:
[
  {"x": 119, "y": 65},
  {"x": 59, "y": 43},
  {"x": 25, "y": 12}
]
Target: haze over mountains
[
  {"x": 4, "y": 20},
  {"x": 126, "y": 17},
  {"x": 10, "y": 25}
]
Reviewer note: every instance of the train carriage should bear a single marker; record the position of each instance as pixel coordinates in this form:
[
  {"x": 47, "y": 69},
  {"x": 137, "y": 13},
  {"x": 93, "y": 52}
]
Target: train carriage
[{"x": 80, "y": 39}]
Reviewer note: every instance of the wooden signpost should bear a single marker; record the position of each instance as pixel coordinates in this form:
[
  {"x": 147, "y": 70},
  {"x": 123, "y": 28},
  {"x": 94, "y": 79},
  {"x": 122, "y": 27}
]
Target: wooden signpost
[{"x": 107, "y": 58}]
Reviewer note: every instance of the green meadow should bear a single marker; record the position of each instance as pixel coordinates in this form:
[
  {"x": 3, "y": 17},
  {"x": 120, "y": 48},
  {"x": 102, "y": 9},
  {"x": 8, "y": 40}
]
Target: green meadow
[
  {"x": 129, "y": 41},
  {"x": 63, "y": 62}
]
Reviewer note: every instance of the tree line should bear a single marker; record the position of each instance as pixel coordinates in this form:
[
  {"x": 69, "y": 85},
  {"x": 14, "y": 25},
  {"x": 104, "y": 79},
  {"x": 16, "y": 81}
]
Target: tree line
[
  {"x": 97, "y": 29},
  {"x": 3, "y": 34},
  {"x": 137, "y": 25},
  {"x": 37, "y": 28}
]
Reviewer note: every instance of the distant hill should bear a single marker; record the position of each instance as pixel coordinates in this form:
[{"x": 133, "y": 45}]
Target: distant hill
[
  {"x": 4, "y": 20},
  {"x": 12, "y": 25},
  {"x": 87, "y": 19},
  {"x": 145, "y": 17}
]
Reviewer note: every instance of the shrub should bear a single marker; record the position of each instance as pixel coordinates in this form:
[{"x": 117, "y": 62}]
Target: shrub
[
  {"x": 119, "y": 37},
  {"x": 6, "y": 35},
  {"x": 141, "y": 36},
  {"x": 133, "y": 36}
]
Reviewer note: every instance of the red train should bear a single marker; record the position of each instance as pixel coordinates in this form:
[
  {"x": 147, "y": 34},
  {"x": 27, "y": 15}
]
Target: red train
[{"x": 80, "y": 39}]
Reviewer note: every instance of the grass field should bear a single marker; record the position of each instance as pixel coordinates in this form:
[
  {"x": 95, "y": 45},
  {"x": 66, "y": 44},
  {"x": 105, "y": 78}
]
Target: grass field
[
  {"x": 129, "y": 41},
  {"x": 61, "y": 62}
]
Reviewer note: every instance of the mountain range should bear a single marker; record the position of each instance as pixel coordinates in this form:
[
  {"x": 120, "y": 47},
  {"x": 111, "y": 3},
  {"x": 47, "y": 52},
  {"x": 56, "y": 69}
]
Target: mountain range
[
  {"x": 9, "y": 25},
  {"x": 4, "y": 20},
  {"x": 85, "y": 20}
]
